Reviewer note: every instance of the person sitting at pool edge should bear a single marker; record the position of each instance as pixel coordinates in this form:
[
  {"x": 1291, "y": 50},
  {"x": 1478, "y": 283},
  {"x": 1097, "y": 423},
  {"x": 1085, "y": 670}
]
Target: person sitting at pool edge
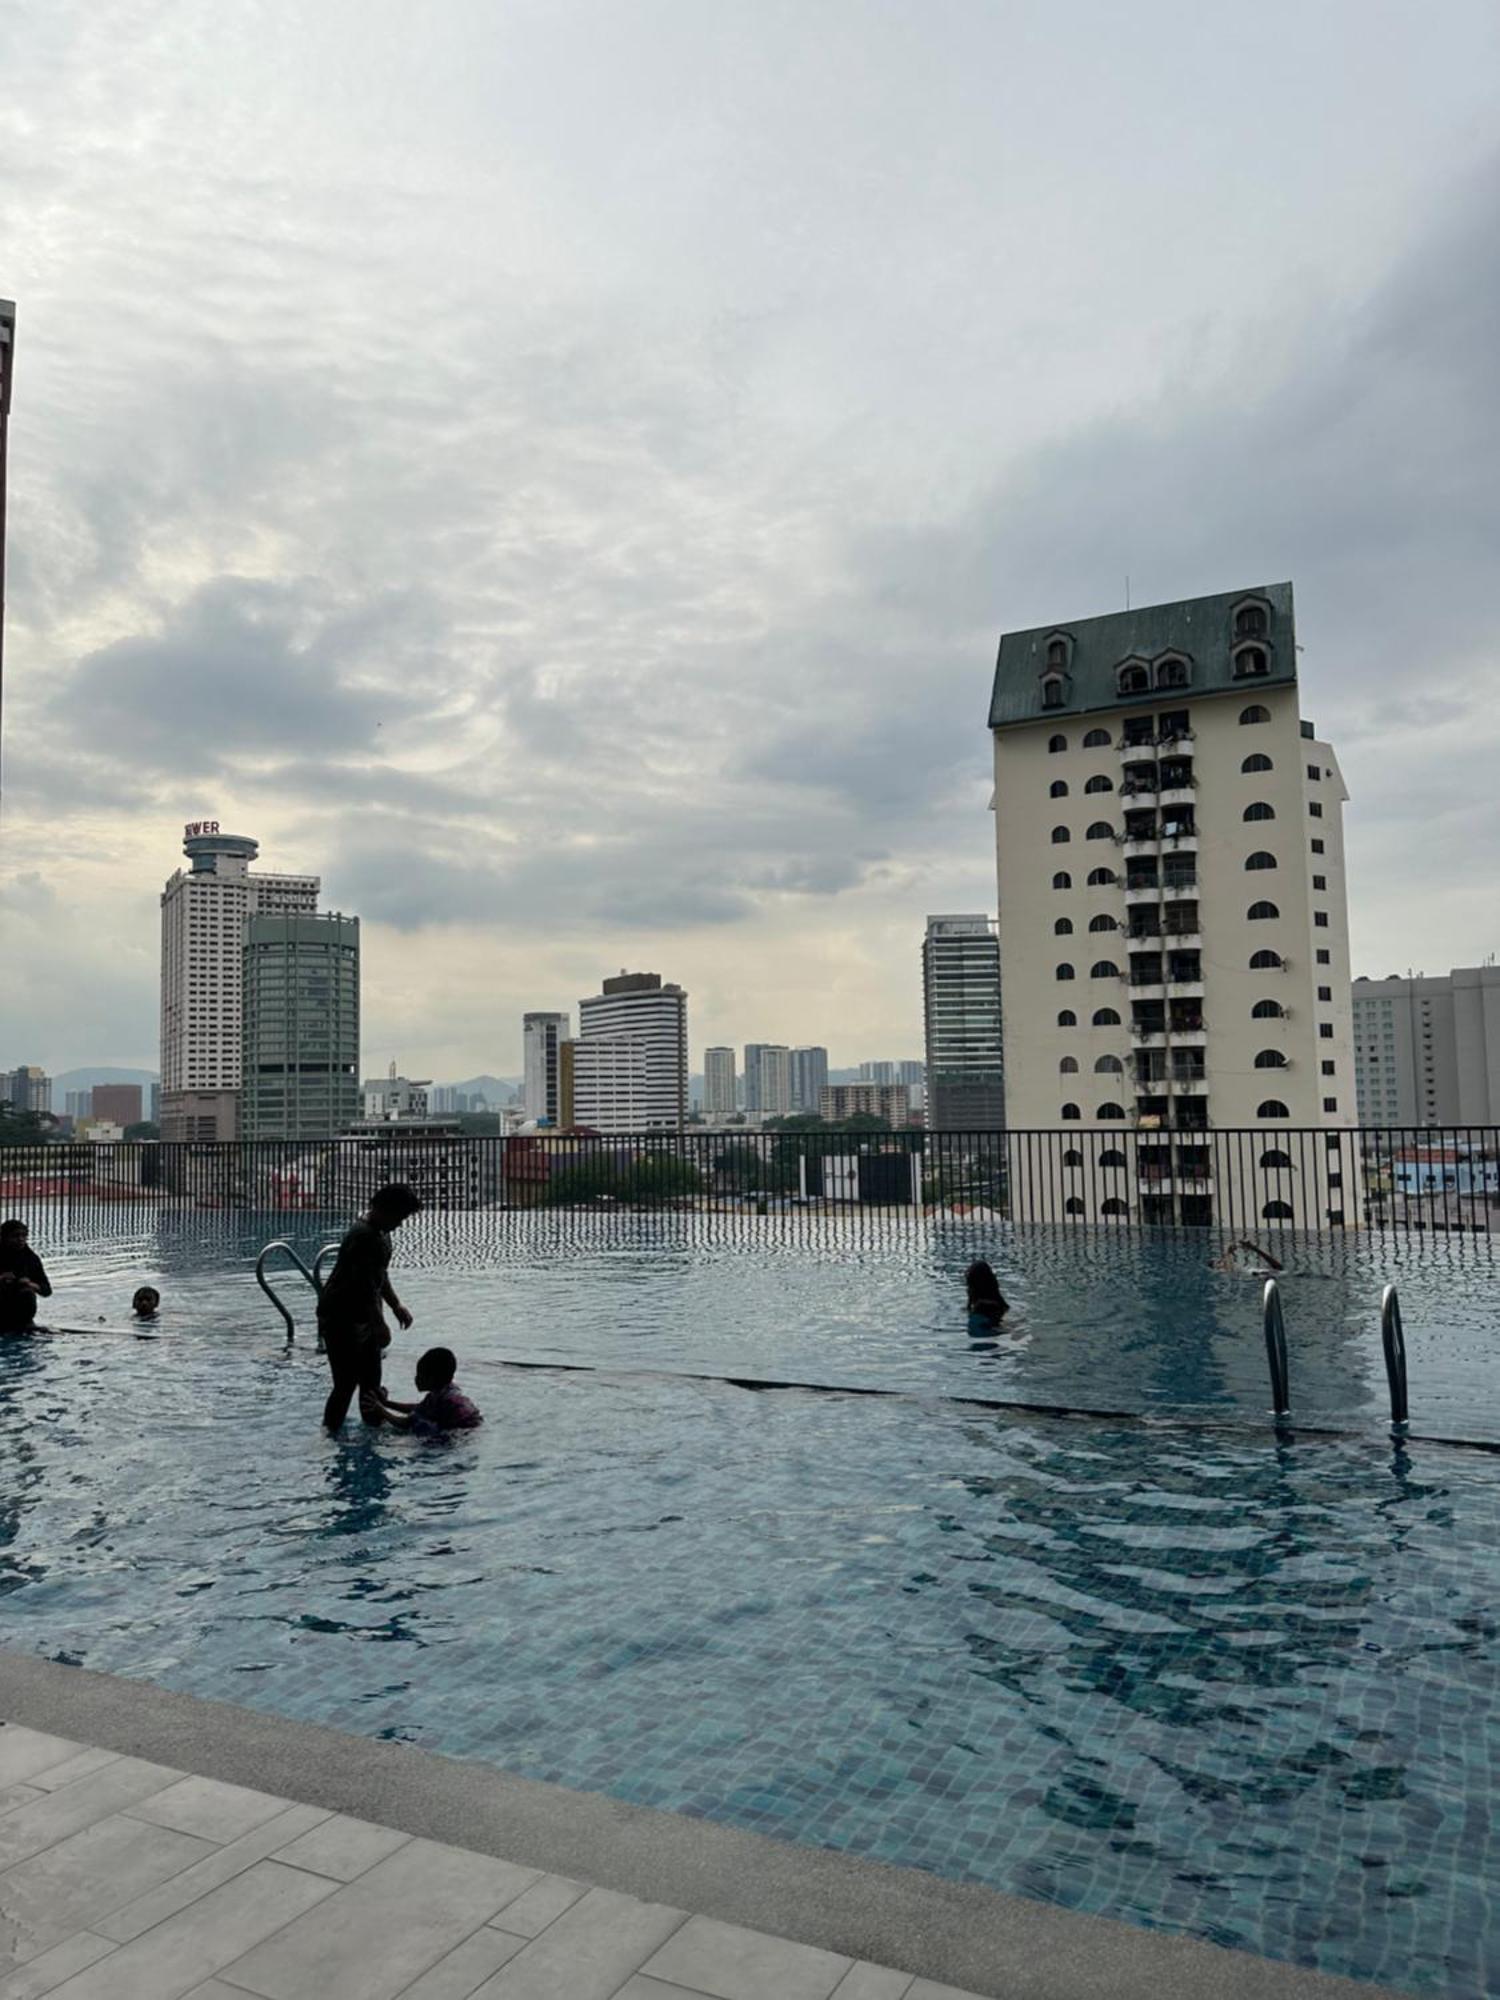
[
  {"x": 986, "y": 1300},
  {"x": 22, "y": 1279},
  {"x": 443, "y": 1407},
  {"x": 147, "y": 1302},
  {"x": 350, "y": 1316}
]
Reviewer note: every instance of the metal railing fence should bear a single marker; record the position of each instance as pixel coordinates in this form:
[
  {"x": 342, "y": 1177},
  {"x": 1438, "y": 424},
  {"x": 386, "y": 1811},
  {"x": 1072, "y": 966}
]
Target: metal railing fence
[{"x": 1250, "y": 1182}]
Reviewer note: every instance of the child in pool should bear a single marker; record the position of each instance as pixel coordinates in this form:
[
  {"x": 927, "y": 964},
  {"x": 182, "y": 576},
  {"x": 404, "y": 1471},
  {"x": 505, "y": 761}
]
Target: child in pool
[
  {"x": 147, "y": 1302},
  {"x": 443, "y": 1407},
  {"x": 986, "y": 1300}
]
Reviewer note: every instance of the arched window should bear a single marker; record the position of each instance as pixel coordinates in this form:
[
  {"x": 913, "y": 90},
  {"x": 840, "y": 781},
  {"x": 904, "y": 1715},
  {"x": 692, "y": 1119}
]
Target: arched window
[
  {"x": 1258, "y": 913},
  {"x": 1100, "y": 830},
  {"x": 1058, "y": 789},
  {"x": 1056, "y": 743},
  {"x": 1102, "y": 878},
  {"x": 1134, "y": 680},
  {"x": 1103, "y": 922},
  {"x": 1073, "y": 1205},
  {"x": 1063, "y": 927},
  {"x": 1172, "y": 673},
  {"x": 1112, "y": 1205},
  {"x": 1258, "y": 809},
  {"x": 1065, "y": 972},
  {"x": 1104, "y": 968},
  {"x": 1057, "y": 655},
  {"x": 1096, "y": 739},
  {"x": 1071, "y": 1114},
  {"x": 1270, "y": 1059},
  {"x": 1250, "y": 622},
  {"x": 1259, "y": 761},
  {"x": 1111, "y": 1113},
  {"x": 1067, "y": 1018},
  {"x": 1111, "y": 1157},
  {"x": 1062, "y": 880},
  {"x": 1068, "y": 1066},
  {"x": 1272, "y": 1108},
  {"x": 1267, "y": 1010},
  {"x": 1255, "y": 713},
  {"x": 1072, "y": 1158},
  {"x": 1278, "y": 1211},
  {"x": 1266, "y": 961},
  {"x": 1054, "y": 694},
  {"x": 1106, "y": 1017},
  {"x": 1108, "y": 1066},
  {"x": 1099, "y": 783},
  {"x": 1060, "y": 836},
  {"x": 1251, "y": 662},
  {"x": 1259, "y": 859},
  {"x": 1275, "y": 1157}
]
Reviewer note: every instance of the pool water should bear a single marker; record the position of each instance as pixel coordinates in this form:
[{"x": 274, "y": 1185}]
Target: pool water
[{"x": 1170, "y": 1670}]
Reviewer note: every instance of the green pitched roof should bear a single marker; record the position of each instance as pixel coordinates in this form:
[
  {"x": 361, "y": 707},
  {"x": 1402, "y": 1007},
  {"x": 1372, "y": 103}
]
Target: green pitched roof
[{"x": 1201, "y": 629}]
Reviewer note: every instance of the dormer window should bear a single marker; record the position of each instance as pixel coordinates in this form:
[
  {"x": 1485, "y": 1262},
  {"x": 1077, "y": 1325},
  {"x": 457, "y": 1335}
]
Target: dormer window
[
  {"x": 1251, "y": 662},
  {"x": 1252, "y": 619},
  {"x": 1172, "y": 671},
  {"x": 1058, "y": 653},
  {"x": 1134, "y": 677},
  {"x": 1054, "y": 691}
]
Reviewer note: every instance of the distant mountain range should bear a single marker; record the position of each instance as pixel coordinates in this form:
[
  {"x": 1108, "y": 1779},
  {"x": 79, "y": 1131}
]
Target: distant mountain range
[
  {"x": 85, "y": 1079},
  {"x": 498, "y": 1089}
]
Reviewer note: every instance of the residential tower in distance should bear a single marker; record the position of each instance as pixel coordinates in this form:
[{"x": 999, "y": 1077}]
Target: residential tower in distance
[
  {"x": 542, "y": 1037},
  {"x": 629, "y": 1063},
  {"x": 1427, "y": 1051},
  {"x": 965, "y": 1070},
  {"x": 1173, "y": 936},
  {"x": 718, "y": 1083}
]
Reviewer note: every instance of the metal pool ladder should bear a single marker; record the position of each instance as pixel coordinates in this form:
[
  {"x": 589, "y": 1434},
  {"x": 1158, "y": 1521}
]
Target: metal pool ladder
[
  {"x": 314, "y": 1277},
  {"x": 1392, "y": 1342},
  {"x": 1274, "y": 1320}
]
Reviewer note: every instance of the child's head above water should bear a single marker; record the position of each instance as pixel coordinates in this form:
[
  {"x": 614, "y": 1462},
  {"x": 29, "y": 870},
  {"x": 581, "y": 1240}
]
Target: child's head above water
[
  {"x": 146, "y": 1302},
  {"x": 436, "y": 1369}
]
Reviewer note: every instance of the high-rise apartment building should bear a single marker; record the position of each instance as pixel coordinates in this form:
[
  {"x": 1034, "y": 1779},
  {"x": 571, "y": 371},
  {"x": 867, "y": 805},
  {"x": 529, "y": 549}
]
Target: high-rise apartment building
[
  {"x": 1173, "y": 936},
  {"x": 753, "y": 1051},
  {"x": 874, "y": 1100},
  {"x": 877, "y": 1072},
  {"x": 392, "y": 1098},
  {"x": 204, "y": 911},
  {"x": 542, "y": 1036},
  {"x": 809, "y": 1075},
  {"x": 718, "y": 1083},
  {"x": 299, "y": 1070},
  {"x": 118, "y": 1103},
  {"x": 27, "y": 1089},
  {"x": 1427, "y": 1051},
  {"x": 775, "y": 1080},
  {"x": 965, "y": 1068},
  {"x": 79, "y": 1104},
  {"x": 638, "y": 1083}
]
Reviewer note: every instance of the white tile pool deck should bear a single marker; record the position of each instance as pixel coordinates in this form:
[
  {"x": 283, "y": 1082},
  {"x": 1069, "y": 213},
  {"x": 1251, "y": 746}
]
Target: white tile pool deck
[{"x": 128, "y": 1874}]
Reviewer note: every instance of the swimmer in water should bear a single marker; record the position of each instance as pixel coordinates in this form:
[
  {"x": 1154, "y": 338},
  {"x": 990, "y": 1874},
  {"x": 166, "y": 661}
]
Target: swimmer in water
[
  {"x": 1243, "y": 1256},
  {"x": 986, "y": 1300},
  {"x": 147, "y": 1302}
]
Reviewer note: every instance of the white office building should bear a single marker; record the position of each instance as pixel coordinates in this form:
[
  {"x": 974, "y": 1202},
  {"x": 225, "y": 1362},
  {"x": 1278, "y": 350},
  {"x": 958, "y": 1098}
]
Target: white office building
[
  {"x": 542, "y": 1037},
  {"x": 718, "y": 1083},
  {"x": 1173, "y": 936},
  {"x": 639, "y": 1082},
  {"x": 204, "y": 912}
]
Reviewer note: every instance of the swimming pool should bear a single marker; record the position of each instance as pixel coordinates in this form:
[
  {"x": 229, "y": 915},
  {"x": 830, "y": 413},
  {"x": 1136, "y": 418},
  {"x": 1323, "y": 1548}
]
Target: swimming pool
[{"x": 1176, "y": 1672}]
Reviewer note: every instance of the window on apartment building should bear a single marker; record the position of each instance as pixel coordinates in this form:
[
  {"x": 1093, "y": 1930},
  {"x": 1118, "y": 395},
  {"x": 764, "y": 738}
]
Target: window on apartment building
[
  {"x": 1073, "y": 1205},
  {"x": 1325, "y": 957},
  {"x": 1133, "y": 680},
  {"x": 1060, "y": 836},
  {"x": 1317, "y": 846},
  {"x": 1068, "y": 1066},
  {"x": 1108, "y": 1066},
  {"x": 1063, "y": 927},
  {"x": 1330, "y": 1104},
  {"x": 1104, "y": 968},
  {"x": 1270, "y": 1059},
  {"x": 1320, "y": 919},
  {"x": 1329, "y": 1068},
  {"x": 1065, "y": 972},
  {"x": 1053, "y": 692},
  {"x": 1272, "y": 1108},
  {"x": 1106, "y": 1017},
  {"x": 1103, "y": 922},
  {"x": 1099, "y": 784},
  {"x": 1062, "y": 880},
  {"x": 1071, "y": 1114},
  {"x": 1111, "y": 1157},
  {"x": 1056, "y": 743},
  {"x": 1112, "y": 1205},
  {"x": 1320, "y": 881},
  {"x": 1102, "y": 878},
  {"x": 1067, "y": 1018},
  {"x": 1100, "y": 830},
  {"x": 1258, "y": 809},
  {"x": 1259, "y": 913},
  {"x": 1267, "y": 1010},
  {"x": 1325, "y": 992},
  {"x": 1109, "y": 1114},
  {"x": 1096, "y": 739},
  {"x": 1325, "y": 1031},
  {"x": 1315, "y": 809},
  {"x": 1278, "y": 1211},
  {"x": 1274, "y": 1157},
  {"x": 1072, "y": 1158},
  {"x": 1255, "y": 713},
  {"x": 1266, "y": 961},
  {"x": 1313, "y": 771},
  {"x": 1260, "y": 859},
  {"x": 1257, "y": 761}
]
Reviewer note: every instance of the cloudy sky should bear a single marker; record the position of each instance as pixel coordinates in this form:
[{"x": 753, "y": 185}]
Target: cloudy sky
[{"x": 558, "y": 468}]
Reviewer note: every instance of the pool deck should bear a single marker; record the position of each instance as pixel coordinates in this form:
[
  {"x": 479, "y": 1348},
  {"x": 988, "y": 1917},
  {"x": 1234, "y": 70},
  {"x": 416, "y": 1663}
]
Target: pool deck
[{"x": 158, "y": 1847}]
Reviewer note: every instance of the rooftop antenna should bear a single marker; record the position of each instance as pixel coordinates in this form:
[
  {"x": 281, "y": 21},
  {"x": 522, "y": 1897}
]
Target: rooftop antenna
[{"x": 1127, "y": 593}]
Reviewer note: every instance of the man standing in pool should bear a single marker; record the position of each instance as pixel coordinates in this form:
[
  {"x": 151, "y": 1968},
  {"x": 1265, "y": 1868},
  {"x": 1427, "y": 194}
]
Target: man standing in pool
[{"x": 350, "y": 1318}]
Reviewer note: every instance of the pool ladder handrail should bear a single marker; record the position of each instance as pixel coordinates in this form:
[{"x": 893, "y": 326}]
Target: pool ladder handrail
[
  {"x": 1393, "y": 1344},
  {"x": 1274, "y": 1320},
  {"x": 314, "y": 1277}
]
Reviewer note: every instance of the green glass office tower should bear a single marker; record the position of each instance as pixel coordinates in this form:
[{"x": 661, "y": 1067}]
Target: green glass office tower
[{"x": 300, "y": 1074}]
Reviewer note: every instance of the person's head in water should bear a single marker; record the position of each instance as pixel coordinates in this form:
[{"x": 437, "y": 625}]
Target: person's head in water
[
  {"x": 436, "y": 1369},
  {"x": 982, "y": 1284},
  {"x": 14, "y": 1230},
  {"x": 391, "y": 1205},
  {"x": 146, "y": 1303}
]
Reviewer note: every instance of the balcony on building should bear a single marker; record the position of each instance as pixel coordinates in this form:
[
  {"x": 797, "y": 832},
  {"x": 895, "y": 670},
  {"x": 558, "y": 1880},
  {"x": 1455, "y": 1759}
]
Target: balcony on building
[
  {"x": 1140, "y": 787},
  {"x": 1145, "y": 929},
  {"x": 1179, "y": 880},
  {"x": 1137, "y": 740}
]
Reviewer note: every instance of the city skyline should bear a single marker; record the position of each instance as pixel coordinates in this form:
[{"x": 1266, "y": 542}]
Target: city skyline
[{"x": 682, "y": 478}]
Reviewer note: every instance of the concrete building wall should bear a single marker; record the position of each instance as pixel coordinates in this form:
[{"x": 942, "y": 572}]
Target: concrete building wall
[
  {"x": 1428, "y": 1049},
  {"x": 542, "y": 1036},
  {"x": 718, "y": 1083},
  {"x": 641, "y": 1010}
]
